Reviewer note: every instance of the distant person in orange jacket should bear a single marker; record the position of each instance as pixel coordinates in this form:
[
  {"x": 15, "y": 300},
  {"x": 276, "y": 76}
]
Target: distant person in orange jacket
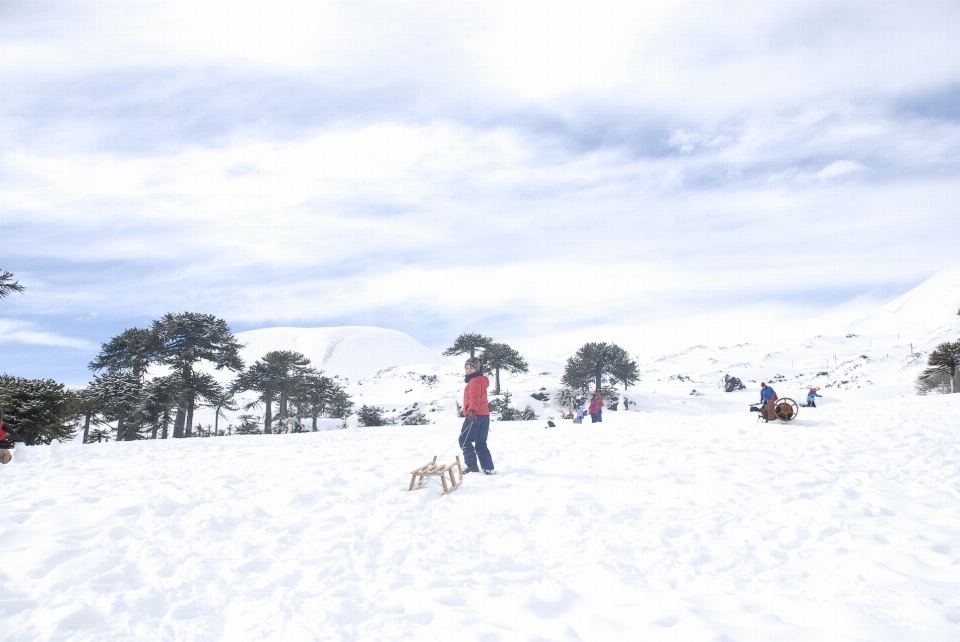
[
  {"x": 596, "y": 408},
  {"x": 476, "y": 425}
]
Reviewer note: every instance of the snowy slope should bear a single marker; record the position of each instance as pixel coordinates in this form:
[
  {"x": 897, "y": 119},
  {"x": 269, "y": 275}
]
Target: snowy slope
[
  {"x": 351, "y": 352},
  {"x": 842, "y": 525}
]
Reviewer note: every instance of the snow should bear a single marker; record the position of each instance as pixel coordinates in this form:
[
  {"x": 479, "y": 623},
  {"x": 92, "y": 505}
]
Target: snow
[
  {"x": 681, "y": 519},
  {"x": 841, "y": 525}
]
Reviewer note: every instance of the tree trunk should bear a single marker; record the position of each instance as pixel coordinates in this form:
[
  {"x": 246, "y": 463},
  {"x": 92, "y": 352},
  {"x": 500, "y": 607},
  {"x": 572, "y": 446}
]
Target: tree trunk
[
  {"x": 216, "y": 421},
  {"x": 268, "y": 415},
  {"x": 178, "y": 422},
  {"x": 86, "y": 426},
  {"x": 497, "y": 390},
  {"x": 283, "y": 409},
  {"x": 121, "y": 428},
  {"x": 166, "y": 422},
  {"x": 598, "y": 372},
  {"x": 190, "y": 402},
  {"x": 314, "y": 420}
]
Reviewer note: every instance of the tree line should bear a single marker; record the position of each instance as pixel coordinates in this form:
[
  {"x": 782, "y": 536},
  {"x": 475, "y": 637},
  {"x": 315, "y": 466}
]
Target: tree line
[
  {"x": 124, "y": 402},
  {"x": 596, "y": 366}
]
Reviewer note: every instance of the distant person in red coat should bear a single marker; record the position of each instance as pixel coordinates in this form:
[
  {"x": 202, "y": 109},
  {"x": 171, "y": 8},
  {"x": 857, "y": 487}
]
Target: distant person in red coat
[
  {"x": 476, "y": 425},
  {"x": 596, "y": 408},
  {"x": 7, "y": 438}
]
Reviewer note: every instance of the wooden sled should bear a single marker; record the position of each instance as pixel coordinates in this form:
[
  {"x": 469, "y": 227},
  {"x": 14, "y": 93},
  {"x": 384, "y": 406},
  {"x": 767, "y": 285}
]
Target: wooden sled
[{"x": 433, "y": 469}]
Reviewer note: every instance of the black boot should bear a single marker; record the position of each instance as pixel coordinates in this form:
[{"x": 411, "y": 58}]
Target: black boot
[{"x": 471, "y": 469}]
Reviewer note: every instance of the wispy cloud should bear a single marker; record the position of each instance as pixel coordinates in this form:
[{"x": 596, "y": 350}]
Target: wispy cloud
[{"x": 13, "y": 331}]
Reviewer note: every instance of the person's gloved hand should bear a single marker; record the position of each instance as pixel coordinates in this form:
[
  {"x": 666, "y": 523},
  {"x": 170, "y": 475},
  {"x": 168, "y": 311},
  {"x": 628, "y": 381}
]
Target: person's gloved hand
[{"x": 472, "y": 416}]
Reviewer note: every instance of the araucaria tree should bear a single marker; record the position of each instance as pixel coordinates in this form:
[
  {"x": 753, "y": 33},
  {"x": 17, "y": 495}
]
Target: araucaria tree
[
  {"x": 596, "y": 363},
  {"x": 468, "y": 344},
  {"x": 277, "y": 376},
  {"x": 186, "y": 340},
  {"x": 41, "y": 410},
  {"x": 8, "y": 285},
  {"x": 500, "y": 356},
  {"x": 314, "y": 395},
  {"x": 942, "y": 366},
  {"x": 119, "y": 391}
]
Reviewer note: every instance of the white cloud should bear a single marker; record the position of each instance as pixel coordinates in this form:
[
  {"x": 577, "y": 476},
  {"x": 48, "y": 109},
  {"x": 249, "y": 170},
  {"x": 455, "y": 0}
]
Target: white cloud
[
  {"x": 14, "y": 331},
  {"x": 839, "y": 168}
]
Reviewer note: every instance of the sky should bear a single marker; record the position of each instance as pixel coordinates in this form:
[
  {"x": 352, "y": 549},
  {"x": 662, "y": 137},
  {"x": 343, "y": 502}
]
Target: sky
[{"x": 659, "y": 174}]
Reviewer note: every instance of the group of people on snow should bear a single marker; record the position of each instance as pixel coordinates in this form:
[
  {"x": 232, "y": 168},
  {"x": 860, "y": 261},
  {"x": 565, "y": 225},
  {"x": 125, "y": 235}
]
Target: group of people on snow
[{"x": 768, "y": 398}]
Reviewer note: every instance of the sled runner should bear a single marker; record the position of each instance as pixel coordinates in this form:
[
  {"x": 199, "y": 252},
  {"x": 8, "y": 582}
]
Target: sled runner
[{"x": 433, "y": 469}]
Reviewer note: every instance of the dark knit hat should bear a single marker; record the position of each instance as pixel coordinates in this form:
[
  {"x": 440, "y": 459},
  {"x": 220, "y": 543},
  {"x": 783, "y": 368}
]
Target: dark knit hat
[{"x": 475, "y": 362}]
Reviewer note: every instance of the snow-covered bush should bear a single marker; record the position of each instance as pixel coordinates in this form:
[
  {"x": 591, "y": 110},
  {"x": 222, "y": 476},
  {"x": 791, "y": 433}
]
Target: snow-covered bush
[{"x": 373, "y": 416}]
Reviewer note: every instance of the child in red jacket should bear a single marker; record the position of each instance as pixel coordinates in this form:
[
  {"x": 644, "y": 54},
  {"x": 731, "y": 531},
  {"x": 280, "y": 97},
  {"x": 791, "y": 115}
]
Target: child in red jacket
[
  {"x": 476, "y": 426},
  {"x": 7, "y": 438}
]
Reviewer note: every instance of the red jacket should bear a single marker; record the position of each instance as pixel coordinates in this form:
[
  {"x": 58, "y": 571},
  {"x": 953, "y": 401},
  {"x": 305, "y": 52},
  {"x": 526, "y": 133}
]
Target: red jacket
[
  {"x": 475, "y": 396},
  {"x": 596, "y": 404}
]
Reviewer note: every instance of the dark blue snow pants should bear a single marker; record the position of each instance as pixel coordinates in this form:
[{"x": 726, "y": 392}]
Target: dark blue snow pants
[{"x": 473, "y": 441}]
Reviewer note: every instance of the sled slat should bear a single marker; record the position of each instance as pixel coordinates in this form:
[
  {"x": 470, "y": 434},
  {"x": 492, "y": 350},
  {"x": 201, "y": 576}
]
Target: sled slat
[{"x": 418, "y": 477}]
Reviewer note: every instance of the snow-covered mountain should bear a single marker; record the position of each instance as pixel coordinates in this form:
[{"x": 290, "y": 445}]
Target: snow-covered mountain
[{"x": 351, "y": 352}]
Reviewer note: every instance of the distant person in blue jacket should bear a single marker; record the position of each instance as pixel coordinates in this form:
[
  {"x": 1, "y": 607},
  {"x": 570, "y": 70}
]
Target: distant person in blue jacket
[
  {"x": 767, "y": 397},
  {"x": 811, "y": 396}
]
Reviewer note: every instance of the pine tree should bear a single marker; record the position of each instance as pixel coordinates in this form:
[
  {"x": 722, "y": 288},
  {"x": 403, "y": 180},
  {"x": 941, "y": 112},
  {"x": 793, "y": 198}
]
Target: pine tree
[
  {"x": 8, "y": 285},
  {"x": 40, "y": 410},
  {"x": 595, "y": 363},
  {"x": 943, "y": 363},
  {"x": 623, "y": 369},
  {"x": 468, "y": 343},
  {"x": 373, "y": 416},
  {"x": 164, "y": 395},
  {"x": 276, "y": 376},
  {"x": 91, "y": 408},
  {"x": 500, "y": 356},
  {"x": 314, "y": 394},
  {"x": 119, "y": 394},
  {"x": 186, "y": 340},
  {"x": 340, "y": 405},
  {"x": 248, "y": 425},
  {"x": 131, "y": 350}
]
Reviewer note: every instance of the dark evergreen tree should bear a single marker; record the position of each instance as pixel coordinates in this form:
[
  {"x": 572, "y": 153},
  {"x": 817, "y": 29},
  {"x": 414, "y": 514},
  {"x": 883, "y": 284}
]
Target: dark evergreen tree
[
  {"x": 221, "y": 398},
  {"x": 373, "y": 416},
  {"x": 40, "y": 410},
  {"x": 505, "y": 412},
  {"x": 275, "y": 377},
  {"x": 594, "y": 363},
  {"x": 186, "y": 340},
  {"x": 314, "y": 394},
  {"x": 623, "y": 369},
  {"x": 468, "y": 343},
  {"x": 90, "y": 408},
  {"x": 500, "y": 356},
  {"x": 942, "y": 366},
  {"x": 119, "y": 394},
  {"x": 132, "y": 350},
  {"x": 248, "y": 426},
  {"x": 8, "y": 285},
  {"x": 340, "y": 405}
]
